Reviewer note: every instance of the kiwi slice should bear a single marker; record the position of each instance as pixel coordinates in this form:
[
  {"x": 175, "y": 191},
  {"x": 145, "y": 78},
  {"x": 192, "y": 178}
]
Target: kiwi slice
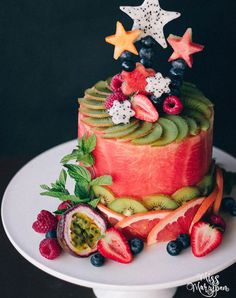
[
  {"x": 94, "y": 113},
  {"x": 151, "y": 137},
  {"x": 108, "y": 80},
  {"x": 91, "y": 94},
  {"x": 170, "y": 132},
  {"x": 192, "y": 125},
  {"x": 104, "y": 194},
  {"x": 159, "y": 202},
  {"x": 191, "y": 91},
  {"x": 181, "y": 124},
  {"x": 91, "y": 104},
  {"x": 144, "y": 129},
  {"x": 120, "y": 134},
  {"x": 105, "y": 122},
  {"x": 186, "y": 194},
  {"x": 200, "y": 119},
  {"x": 207, "y": 183},
  {"x": 121, "y": 127},
  {"x": 101, "y": 87},
  {"x": 127, "y": 206},
  {"x": 197, "y": 105}
]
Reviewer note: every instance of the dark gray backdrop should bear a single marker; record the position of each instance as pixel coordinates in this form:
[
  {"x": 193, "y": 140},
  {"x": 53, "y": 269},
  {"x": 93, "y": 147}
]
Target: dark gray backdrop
[{"x": 50, "y": 51}]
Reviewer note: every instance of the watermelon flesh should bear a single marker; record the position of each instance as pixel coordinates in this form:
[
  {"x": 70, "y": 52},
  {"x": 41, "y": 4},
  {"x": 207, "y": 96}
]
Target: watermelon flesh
[{"x": 143, "y": 170}]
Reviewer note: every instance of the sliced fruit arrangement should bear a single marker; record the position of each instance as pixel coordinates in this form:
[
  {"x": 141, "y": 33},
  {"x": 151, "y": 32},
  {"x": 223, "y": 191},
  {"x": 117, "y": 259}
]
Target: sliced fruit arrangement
[
  {"x": 110, "y": 215},
  {"x": 126, "y": 206},
  {"x": 159, "y": 202}
]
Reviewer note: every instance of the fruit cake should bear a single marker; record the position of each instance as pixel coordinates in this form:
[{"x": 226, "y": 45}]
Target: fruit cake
[{"x": 142, "y": 168}]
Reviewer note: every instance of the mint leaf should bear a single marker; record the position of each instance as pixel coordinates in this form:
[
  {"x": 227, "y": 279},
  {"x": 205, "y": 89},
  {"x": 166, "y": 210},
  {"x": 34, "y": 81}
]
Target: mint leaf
[
  {"x": 94, "y": 203},
  {"x": 82, "y": 189},
  {"x": 62, "y": 177},
  {"x": 87, "y": 160},
  {"x": 61, "y": 211},
  {"x": 77, "y": 172},
  {"x": 89, "y": 143},
  {"x": 71, "y": 156},
  {"x": 61, "y": 196},
  {"x": 44, "y": 186},
  {"x": 102, "y": 180}
]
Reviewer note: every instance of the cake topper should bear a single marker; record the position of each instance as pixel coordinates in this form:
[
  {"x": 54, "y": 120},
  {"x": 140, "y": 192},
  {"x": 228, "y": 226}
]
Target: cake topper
[
  {"x": 158, "y": 85},
  {"x": 150, "y": 18}
]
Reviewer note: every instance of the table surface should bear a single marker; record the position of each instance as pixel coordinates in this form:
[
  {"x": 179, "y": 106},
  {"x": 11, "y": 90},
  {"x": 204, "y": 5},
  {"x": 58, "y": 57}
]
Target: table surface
[{"x": 32, "y": 282}]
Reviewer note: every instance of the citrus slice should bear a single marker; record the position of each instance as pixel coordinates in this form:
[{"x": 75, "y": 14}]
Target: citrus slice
[
  {"x": 140, "y": 224},
  {"x": 177, "y": 222},
  {"x": 206, "y": 204},
  {"x": 111, "y": 216},
  {"x": 220, "y": 184}
]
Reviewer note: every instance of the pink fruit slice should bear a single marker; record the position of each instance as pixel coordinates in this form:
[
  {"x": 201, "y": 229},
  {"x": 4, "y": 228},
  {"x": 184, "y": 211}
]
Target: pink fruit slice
[
  {"x": 112, "y": 217},
  {"x": 144, "y": 109}
]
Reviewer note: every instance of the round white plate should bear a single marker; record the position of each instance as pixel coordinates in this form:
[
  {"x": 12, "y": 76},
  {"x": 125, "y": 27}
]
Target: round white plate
[{"x": 152, "y": 269}]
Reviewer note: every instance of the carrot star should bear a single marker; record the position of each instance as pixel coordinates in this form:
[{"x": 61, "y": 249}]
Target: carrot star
[
  {"x": 123, "y": 41},
  {"x": 183, "y": 47}
]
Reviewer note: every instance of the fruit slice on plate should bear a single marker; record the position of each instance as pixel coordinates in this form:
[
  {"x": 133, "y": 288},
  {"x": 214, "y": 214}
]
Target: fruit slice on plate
[
  {"x": 127, "y": 206},
  {"x": 177, "y": 222},
  {"x": 159, "y": 202},
  {"x": 220, "y": 184},
  {"x": 139, "y": 225},
  {"x": 185, "y": 194},
  {"x": 111, "y": 216},
  {"x": 104, "y": 194},
  {"x": 205, "y": 206}
]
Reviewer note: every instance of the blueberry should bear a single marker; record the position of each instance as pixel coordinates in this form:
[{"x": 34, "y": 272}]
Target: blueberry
[
  {"x": 97, "y": 260},
  {"x": 175, "y": 91},
  {"x": 148, "y": 41},
  {"x": 146, "y": 62},
  {"x": 146, "y": 53},
  {"x": 176, "y": 72},
  {"x": 233, "y": 211},
  {"x": 51, "y": 234},
  {"x": 157, "y": 101},
  {"x": 126, "y": 55},
  {"x": 173, "y": 248},
  {"x": 184, "y": 240},
  {"x": 136, "y": 245},
  {"x": 128, "y": 65},
  {"x": 228, "y": 204},
  {"x": 179, "y": 64}
]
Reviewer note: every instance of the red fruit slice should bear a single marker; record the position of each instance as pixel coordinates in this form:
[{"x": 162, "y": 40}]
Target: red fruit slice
[
  {"x": 144, "y": 109},
  {"x": 114, "y": 246},
  {"x": 204, "y": 238},
  {"x": 178, "y": 222},
  {"x": 220, "y": 184},
  {"x": 135, "y": 81},
  {"x": 206, "y": 204},
  {"x": 112, "y": 217},
  {"x": 140, "y": 224}
]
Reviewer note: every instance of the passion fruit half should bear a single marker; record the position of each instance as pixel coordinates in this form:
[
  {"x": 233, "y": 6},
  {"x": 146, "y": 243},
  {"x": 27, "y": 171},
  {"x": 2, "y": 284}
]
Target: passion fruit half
[{"x": 79, "y": 230}]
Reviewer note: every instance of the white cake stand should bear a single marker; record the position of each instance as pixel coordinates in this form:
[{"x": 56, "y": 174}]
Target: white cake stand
[{"x": 153, "y": 273}]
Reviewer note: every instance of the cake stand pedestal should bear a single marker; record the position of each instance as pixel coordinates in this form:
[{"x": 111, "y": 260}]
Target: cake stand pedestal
[{"x": 153, "y": 273}]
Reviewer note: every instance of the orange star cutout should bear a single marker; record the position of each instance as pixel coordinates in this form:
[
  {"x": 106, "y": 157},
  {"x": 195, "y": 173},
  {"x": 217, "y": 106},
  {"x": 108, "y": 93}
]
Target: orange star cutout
[
  {"x": 183, "y": 47},
  {"x": 123, "y": 41}
]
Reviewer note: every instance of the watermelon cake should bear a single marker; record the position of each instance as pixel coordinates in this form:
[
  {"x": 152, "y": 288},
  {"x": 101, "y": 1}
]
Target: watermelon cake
[{"x": 143, "y": 170}]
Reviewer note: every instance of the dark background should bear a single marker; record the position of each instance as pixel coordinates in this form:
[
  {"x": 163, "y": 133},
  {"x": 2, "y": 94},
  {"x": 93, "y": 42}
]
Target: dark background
[{"x": 50, "y": 51}]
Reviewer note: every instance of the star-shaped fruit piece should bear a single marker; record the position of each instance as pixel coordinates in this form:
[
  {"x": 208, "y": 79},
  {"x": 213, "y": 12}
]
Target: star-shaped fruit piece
[
  {"x": 183, "y": 47},
  {"x": 158, "y": 85},
  {"x": 123, "y": 41},
  {"x": 135, "y": 81},
  {"x": 150, "y": 18}
]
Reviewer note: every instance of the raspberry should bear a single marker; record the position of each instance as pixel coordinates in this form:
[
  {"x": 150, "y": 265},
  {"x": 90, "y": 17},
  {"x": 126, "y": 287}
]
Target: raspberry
[
  {"x": 50, "y": 248},
  {"x": 115, "y": 96},
  {"x": 45, "y": 222},
  {"x": 116, "y": 83},
  {"x": 172, "y": 105},
  {"x": 63, "y": 205}
]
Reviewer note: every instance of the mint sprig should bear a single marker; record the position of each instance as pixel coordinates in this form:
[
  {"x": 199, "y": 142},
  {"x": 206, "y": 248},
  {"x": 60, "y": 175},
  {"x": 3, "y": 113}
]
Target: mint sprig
[{"x": 83, "y": 152}]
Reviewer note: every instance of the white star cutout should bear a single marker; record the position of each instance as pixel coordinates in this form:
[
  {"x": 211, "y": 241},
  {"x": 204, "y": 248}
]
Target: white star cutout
[
  {"x": 151, "y": 19},
  {"x": 158, "y": 85},
  {"x": 121, "y": 112}
]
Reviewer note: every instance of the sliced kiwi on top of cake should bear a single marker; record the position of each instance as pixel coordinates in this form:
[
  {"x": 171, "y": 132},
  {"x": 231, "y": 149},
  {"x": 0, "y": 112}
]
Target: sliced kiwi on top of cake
[
  {"x": 200, "y": 119},
  {"x": 170, "y": 132},
  {"x": 143, "y": 130},
  {"x": 98, "y": 122},
  {"x": 92, "y": 94},
  {"x": 94, "y": 113},
  {"x": 193, "y": 127},
  {"x": 181, "y": 124},
  {"x": 104, "y": 194},
  {"x": 127, "y": 206},
  {"x": 197, "y": 105},
  {"x": 159, "y": 202},
  {"x": 121, "y": 127},
  {"x": 191, "y": 91},
  {"x": 186, "y": 194},
  {"x": 122, "y": 133},
  {"x": 91, "y": 104},
  {"x": 101, "y": 87},
  {"x": 151, "y": 137}
]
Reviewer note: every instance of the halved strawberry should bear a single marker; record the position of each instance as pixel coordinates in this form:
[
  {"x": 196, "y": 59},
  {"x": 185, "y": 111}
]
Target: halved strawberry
[
  {"x": 204, "y": 238},
  {"x": 114, "y": 246},
  {"x": 144, "y": 109}
]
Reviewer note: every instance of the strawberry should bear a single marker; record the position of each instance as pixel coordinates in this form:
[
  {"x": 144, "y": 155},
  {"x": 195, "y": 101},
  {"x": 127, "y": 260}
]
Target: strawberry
[
  {"x": 144, "y": 109},
  {"x": 204, "y": 238},
  {"x": 114, "y": 246}
]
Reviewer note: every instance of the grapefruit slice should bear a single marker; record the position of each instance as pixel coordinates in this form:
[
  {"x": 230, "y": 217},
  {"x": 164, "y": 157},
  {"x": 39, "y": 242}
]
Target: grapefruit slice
[
  {"x": 206, "y": 204},
  {"x": 220, "y": 184},
  {"x": 140, "y": 224},
  {"x": 177, "y": 222},
  {"x": 111, "y": 216}
]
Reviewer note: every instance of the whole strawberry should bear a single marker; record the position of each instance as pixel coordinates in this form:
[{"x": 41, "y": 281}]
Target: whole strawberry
[
  {"x": 50, "y": 248},
  {"x": 45, "y": 222}
]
